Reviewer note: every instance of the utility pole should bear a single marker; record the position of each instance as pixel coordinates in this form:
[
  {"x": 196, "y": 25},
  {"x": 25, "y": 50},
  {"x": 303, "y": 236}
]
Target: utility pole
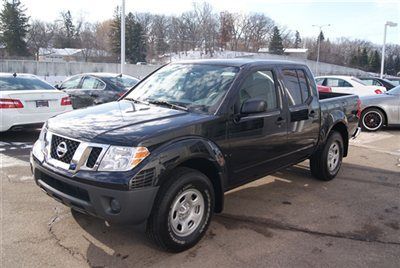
[
  {"x": 390, "y": 24},
  {"x": 122, "y": 36},
  {"x": 319, "y": 43}
]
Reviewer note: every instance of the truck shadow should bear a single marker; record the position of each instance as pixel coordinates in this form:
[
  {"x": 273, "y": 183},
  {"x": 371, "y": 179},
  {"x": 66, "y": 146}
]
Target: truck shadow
[{"x": 122, "y": 246}]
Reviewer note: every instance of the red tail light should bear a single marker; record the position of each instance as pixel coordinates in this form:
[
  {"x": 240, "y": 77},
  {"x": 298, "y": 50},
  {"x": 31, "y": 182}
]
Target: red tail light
[
  {"x": 66, "y": 101},
  {"x": 10, "y": 103},
  {"x": 121, "y": 94},
  {"x": 359, "y": 108},
  {"x": 378, "y": 91}
]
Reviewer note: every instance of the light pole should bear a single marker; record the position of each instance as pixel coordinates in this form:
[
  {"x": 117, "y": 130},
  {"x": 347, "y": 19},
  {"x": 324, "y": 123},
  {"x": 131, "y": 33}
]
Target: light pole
[
  {"x": 319, "y": 43},
  {"x": 390, "y": 24},
  {"x": 122, "y": 36}
]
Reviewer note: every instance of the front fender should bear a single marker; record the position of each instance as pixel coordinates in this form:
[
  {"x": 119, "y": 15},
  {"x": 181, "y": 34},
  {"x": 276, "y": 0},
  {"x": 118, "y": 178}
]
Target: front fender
[{"x": 167, "y": 157}]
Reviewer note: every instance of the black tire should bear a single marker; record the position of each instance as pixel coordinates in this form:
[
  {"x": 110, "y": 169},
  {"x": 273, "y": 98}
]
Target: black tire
[
  {"x": 159, "y": 226},
  {"x": 321, "y": 167},
  {"x": 372, "y": 119}
]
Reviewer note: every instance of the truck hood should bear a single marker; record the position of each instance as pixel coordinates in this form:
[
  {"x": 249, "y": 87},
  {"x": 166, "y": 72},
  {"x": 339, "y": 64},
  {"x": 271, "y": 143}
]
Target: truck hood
[{"x": 121, "y": 122}]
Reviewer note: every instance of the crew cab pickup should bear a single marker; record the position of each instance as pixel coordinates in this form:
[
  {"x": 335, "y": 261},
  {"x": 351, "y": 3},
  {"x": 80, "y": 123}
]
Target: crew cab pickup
[{"x": 165, "y": 153}]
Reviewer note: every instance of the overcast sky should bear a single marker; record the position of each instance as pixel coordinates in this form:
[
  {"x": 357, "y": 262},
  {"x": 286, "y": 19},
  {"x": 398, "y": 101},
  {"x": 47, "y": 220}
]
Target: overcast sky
[{"x": 355, "y": 19}]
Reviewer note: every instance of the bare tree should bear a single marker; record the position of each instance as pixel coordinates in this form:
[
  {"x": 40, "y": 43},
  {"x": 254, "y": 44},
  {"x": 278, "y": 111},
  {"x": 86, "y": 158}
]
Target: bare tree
[{"x": 40, "y": 35}]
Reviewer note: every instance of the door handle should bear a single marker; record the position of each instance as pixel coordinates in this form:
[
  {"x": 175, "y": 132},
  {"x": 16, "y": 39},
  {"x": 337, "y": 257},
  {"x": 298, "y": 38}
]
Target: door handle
[{"x": 280, "y": 121}]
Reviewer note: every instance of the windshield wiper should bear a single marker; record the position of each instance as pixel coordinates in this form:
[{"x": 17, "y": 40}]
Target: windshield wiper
[
  {"x": 166, "y": 103},
  {"x": 137, "y": 101}
]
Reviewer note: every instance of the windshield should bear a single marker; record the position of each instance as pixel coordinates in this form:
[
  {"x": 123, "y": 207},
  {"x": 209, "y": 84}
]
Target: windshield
[
  {"x": 125, "y": 82},
  {"x": 22, "y": 83},
  {"x": 198, "y": 87}
]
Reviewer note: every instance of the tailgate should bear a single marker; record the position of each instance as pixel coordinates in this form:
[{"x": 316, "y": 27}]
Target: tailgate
[{"x": 39, "y": 101}]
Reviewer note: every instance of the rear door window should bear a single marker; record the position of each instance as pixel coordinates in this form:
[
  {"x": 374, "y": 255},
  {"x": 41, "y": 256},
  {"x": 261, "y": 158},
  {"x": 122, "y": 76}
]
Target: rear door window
[
  {"x": 92, "y": 83},
  {"x": 297, "y": 87}
]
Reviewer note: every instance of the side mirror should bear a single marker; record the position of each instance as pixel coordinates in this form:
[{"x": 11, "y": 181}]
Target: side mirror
[
  {"x": 57, "y": 86},
  {"x": 252, "y": 106}
]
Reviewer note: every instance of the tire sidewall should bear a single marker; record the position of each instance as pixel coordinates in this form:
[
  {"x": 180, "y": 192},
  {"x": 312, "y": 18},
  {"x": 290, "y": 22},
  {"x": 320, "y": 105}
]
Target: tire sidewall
[
  {"x": 190, "y": 180},
  {"x": 335, "y": 137},
  {"x": 368, "y": 111}
]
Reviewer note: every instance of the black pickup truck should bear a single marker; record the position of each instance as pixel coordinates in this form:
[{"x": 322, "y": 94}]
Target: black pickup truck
[{"x": 165, "y": 153}]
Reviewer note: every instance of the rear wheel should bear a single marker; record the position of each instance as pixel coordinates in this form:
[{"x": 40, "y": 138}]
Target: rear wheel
[
  {"x": 326, "y": 161},
  {"x": 372, "y": 119},
  {"x": 182, "y": 211}
]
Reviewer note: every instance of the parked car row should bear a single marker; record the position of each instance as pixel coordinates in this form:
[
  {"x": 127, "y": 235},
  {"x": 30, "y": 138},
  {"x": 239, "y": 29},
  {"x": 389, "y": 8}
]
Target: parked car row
[
  {"x": 380, "y": 98},
  {"x": 28, "y": 101}
]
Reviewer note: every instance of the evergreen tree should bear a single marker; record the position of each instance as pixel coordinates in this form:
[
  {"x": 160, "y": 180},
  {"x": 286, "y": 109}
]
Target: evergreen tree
[
  {"x": 115, "y": 33},
  {"x": 276, "y": 45},
  {"x": 397, "y": 65},
  {"x": 363, "y": 59},
  {"x": 14, "y": 28},
  {"x": 135, "y": 43},
  {"x": 375, "y": 61},
  {"x": 68, "y": 37},
  {"x": 321, "y": 37},
  {"x": 390, "y": 67},
  {"x": 135, "y": 46},
  {"x": 297, "y": 41}
]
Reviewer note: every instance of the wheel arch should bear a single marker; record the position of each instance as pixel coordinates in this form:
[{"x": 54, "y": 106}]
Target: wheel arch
[
  {"x": 341, "y": 128},
  {"x": 385, "y": 117},
  {"x": 196, "y": 153}
]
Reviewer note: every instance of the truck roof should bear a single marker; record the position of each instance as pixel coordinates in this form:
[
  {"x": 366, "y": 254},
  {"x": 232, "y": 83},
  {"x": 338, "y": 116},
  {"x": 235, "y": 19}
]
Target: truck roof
[{"x": 239, "y": 62}]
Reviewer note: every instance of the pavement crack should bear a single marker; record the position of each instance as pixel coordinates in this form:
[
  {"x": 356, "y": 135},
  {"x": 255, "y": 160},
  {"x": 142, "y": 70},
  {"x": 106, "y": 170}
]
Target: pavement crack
[
  {"x": 71, "y": 250},
  {"x": 273, "y": 224}
]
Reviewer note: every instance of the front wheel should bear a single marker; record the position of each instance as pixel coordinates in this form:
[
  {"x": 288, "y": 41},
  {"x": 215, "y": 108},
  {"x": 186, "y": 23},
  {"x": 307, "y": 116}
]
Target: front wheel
[
  {"x": 372, "y": 119},
  {"x": 182, "y": 211},
  {"x": 326, "y": 161}
]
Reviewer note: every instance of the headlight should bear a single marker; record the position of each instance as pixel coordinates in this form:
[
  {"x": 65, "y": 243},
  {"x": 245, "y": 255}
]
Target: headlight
[
  {"x": 39, "y": 146},
  {"x": 43, "y": 132},
  {"x": 118, "y": 158}
]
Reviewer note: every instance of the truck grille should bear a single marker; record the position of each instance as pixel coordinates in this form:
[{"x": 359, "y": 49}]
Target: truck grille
[
  {"x": 94, "y": 154},
  {"x": 143, "y": 179},
  {"x": 71, "y": 147}
]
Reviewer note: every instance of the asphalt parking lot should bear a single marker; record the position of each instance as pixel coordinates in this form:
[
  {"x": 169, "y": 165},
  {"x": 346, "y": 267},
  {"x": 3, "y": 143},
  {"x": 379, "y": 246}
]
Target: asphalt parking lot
[{"x": 284, "y": 220}]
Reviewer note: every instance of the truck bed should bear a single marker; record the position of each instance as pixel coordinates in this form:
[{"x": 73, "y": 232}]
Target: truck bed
[{"x": 339, "y": 103}]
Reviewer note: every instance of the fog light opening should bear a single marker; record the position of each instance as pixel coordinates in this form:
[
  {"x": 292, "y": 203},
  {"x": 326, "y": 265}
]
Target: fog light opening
[{"x": 115, "y": 205}]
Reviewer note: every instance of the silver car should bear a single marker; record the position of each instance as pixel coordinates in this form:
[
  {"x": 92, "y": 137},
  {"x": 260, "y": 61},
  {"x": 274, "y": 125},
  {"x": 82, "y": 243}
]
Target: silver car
[{"x": 380, "y": 110}]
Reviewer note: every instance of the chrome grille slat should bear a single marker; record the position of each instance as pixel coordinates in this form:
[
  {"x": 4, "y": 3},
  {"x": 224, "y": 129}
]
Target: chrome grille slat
[
  {"x": 71, "y": 145},
  {"x": 80, "y": 156}
]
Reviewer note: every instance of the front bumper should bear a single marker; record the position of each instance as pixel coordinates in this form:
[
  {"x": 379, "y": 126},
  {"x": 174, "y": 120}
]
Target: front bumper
[{"x": 135, "y": 205}]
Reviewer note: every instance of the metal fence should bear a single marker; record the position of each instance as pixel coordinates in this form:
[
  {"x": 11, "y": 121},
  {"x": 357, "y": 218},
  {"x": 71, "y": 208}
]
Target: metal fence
[{"x": 64, "y": 69}]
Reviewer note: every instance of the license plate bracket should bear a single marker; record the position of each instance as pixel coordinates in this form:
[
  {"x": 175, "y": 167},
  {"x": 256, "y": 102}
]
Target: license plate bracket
[{"x": 42, "y": 103}]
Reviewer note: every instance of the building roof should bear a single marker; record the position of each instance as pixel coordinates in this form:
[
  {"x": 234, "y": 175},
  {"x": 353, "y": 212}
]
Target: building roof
[
  {"x": 295, "y": 50},
  {"x": 59, "y": 51}
]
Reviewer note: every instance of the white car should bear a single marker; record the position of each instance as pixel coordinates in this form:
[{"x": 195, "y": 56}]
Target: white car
[
  {"x": 348, "y": 84},
  {"x": 26, "y": 100}
]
